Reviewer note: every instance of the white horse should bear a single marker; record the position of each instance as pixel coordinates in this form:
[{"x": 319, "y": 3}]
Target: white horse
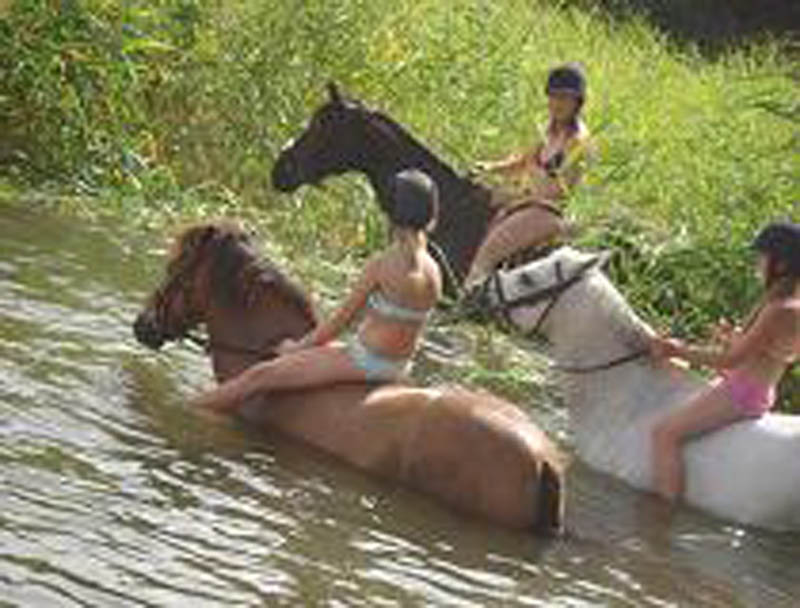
[{"x": 748, "y": 472}]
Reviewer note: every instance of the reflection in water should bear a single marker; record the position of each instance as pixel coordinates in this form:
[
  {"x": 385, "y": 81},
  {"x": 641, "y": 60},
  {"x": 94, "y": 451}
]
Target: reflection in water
[{"x": 113, "y": 494}]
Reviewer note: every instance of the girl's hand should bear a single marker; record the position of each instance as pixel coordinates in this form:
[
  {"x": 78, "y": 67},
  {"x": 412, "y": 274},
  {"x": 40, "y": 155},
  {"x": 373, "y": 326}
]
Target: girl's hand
[
  {"x": 725, "y": 331},
  {"x": 289, "y": 345},
  {"x": 666, "y": 348}
]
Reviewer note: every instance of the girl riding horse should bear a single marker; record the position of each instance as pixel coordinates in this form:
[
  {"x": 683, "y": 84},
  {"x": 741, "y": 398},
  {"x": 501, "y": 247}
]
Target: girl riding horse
[
  {"x": 529, "y": 213},
  {"x": 751, "y": 361},
  {"x": 397, "y": 289}
]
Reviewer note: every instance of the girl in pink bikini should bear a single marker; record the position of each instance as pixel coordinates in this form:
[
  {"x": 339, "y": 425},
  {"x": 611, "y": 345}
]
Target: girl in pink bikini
[{"x": 751, "y": 361}]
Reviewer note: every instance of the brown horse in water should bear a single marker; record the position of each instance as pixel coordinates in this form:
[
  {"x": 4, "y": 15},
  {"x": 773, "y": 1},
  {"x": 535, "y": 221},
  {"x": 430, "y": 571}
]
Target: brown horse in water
[{"x": 473, "y": 451}]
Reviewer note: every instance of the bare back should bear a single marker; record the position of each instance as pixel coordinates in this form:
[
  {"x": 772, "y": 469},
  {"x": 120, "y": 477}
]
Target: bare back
[{"x": 407, "y": 278}]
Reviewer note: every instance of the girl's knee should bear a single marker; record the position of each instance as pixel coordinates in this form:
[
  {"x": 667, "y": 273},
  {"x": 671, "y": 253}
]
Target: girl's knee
[{"x": 664, "y": 435}]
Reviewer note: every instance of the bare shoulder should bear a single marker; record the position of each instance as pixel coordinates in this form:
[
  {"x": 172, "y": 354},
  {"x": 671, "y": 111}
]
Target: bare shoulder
[{"x": 782, "y": 315}]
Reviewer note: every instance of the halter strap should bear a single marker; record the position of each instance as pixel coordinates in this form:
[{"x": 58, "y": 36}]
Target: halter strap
[{"x": 552, "y": 294}]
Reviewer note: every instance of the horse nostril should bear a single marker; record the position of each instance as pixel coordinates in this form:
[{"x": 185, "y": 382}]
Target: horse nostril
[
  {"x": 285, "y": 175},
  {"x": 146, "y": 332}
]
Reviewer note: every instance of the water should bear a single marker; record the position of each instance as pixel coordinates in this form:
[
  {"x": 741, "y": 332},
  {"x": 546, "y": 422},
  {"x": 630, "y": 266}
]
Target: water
[{"x": 114, "y": 494}]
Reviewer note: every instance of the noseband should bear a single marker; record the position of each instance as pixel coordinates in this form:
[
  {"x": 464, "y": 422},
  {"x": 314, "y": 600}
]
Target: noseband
[
  {"x": 551, "y": 294},
  {"x": 181, "y": 280}
]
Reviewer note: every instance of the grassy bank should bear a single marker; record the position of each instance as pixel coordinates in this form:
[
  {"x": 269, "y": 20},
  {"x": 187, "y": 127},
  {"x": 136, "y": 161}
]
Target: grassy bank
[{"x": 158, "y": 111}]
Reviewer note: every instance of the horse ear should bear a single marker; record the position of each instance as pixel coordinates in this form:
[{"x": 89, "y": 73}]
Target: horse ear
[
  {"x": 604, "y": 257},
  {"x": 333, "y": 92}
]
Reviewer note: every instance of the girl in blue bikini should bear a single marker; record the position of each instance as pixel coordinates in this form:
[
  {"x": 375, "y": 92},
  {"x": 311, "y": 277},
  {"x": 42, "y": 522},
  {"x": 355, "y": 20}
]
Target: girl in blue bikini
[
  {"x": 751, "y": 361},
  {"x": 397, "y": 289}
]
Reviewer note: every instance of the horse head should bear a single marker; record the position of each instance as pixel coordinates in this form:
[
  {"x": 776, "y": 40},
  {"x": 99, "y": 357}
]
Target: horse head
[
  {"x": 526, "y": 295},
  {"x": 332, "y": 143},
  {"x": 344, "y": 135},
  {"x": 214, "y": 278}
]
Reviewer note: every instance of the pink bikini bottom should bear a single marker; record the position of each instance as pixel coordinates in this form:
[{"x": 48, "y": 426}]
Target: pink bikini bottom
[{"x": 752, "y": 397}]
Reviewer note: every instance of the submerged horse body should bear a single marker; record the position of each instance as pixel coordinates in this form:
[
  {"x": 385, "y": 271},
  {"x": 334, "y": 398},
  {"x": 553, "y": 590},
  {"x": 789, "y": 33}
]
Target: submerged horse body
[
  {"x": 615, "y": 393},
  {"x": 344, "y": 135},
  {"x": 475, "y": 452}
]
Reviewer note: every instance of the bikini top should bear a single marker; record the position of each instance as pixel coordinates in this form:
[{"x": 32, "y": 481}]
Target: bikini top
[
  {"x": 378, "y": 302},
  {"x": 549, "y": 165}
]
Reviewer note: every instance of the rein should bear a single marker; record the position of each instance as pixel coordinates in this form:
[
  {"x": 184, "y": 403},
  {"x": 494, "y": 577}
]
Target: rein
[
  {"x": 180, "y": 280},
  {"x": 208, "y": 345},
  {"x": 552, "y": 294}
]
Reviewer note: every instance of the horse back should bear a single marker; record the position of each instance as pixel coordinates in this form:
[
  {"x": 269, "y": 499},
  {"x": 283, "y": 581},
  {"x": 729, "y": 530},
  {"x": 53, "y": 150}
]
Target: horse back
[{"x": 475, "y": 452}]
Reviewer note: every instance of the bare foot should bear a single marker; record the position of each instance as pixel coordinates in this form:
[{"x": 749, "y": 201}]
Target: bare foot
[{"x": 216, "y": 400}]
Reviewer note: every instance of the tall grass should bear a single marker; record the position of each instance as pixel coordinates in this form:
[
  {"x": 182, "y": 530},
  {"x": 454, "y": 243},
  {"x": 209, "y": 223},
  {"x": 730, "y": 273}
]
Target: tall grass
[{"x": 177, "y": 108}]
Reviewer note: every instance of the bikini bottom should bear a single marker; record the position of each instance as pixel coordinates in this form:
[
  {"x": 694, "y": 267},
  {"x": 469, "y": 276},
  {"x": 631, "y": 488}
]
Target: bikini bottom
[
  {"x": 377, "y": 368},
  {"x": 750, "y": 396}
]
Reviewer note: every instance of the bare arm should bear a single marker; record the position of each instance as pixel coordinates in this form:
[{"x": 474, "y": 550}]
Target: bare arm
[
  {"x": 768, "y": 328},
  {"x": 355, "y": 301}
]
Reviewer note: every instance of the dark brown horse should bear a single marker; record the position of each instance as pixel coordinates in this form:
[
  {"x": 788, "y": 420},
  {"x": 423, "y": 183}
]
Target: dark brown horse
[
  {"x": 473, "y": 451},
  {"x": 344, "y": 135}
]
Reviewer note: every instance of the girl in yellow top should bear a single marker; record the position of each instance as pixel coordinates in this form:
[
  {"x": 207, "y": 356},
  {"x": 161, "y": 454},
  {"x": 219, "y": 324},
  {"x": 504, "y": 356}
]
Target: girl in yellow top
[{"x": 529, "y": 212}]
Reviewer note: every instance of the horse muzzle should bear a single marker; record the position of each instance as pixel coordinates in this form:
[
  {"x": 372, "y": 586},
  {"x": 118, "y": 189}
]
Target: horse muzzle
[
  {"x": 147, "y": 331},
  {"x": 286, "y": 172}
]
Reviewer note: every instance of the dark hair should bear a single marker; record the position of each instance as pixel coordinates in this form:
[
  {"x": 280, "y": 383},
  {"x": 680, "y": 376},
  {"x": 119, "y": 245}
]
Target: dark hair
[
  {"x": 568, "y": 77},
  {"x": 415, "y": 200},
  {"x": 780, "y": 242}
]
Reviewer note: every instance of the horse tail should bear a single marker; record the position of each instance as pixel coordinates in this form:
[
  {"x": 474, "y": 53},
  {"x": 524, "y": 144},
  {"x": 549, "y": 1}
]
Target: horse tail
[
  {"x": 452, "y": 282},
  {"x": 550, "y": 502}
]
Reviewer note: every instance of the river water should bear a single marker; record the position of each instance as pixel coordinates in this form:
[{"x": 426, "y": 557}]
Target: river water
[{"x": 112, "y": 493}]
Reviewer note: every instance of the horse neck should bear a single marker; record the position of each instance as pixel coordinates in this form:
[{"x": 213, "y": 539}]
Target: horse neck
[
  {"x": 464, "y": 211},
  {"x": 611, "y": 411},
  {"x": 389, "y": 149},
  {"x": 592, "y": 322},
  {"x": 240, "y": 337},
  {"x": 592, "y": 325}
]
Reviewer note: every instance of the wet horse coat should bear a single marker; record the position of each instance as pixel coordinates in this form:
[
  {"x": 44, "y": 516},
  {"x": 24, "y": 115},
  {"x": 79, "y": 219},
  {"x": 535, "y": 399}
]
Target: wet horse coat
[
  {"x": 746, "y": 472},
  {"x": 474, "y": 452}
]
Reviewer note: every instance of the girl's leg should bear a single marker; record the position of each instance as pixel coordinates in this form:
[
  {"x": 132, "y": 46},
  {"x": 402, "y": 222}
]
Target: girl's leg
[
  {"x": 708, "y": 411},
  {"x": 306, "y": 368},
  {"x": 522, "y": 229}
]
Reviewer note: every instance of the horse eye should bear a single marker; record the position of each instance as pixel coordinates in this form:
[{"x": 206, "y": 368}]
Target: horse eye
[{"x": 526, "y": 280}]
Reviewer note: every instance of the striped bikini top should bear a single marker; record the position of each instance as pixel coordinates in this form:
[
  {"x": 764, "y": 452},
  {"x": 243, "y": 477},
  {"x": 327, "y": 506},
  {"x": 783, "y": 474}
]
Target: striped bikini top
[{"x": 378, "y": 302}]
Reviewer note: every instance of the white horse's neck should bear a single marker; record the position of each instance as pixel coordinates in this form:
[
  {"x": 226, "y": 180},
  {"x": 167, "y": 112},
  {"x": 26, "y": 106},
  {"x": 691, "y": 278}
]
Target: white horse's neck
[{"x": 593, "y": 325}]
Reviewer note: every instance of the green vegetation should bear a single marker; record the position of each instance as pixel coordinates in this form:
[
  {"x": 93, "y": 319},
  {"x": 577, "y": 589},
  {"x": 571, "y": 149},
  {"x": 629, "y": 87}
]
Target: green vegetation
[{"x": 164, "y": 110}]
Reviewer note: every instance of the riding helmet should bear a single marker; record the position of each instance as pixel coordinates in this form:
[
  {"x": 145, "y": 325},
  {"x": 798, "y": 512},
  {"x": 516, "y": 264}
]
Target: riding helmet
[
  {"x": 781, "y": 240},
  {"x": 415, "y": 200},
  {"x": 568, "y": 77}
]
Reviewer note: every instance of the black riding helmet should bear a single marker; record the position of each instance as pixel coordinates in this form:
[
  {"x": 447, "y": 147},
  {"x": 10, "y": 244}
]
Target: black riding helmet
[
  {"x": 568, "y": 77},
  {"x": 781, "y": 241},
  {"x": 415, "y": 200}
]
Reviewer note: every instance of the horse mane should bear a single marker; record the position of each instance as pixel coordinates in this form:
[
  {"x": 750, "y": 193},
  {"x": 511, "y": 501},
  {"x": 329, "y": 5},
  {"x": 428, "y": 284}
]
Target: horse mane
[
  {"x": 239, "y": 277},
  {"x": 425, "y": 156},
  {"x": 607, "y": 302}
]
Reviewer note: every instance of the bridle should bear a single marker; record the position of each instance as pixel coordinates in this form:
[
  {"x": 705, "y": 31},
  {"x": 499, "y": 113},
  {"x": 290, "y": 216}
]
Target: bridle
[
  {"x": 181, "y": 281},
  {"x": 551, "y": 294}
]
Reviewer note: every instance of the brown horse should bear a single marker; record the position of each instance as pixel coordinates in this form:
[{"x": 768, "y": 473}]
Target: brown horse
[
  {"x": 473, "y": 451},
  {"x": 345, "y": 135}
]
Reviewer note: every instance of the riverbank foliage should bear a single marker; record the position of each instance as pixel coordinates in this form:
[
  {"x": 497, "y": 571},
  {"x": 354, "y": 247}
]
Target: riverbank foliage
[{"x": 177, "y": 108}]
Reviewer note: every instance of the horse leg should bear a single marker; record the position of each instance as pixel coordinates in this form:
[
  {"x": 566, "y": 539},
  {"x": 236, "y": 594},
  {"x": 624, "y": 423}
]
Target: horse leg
[
  {"x": 710, "y": 410},
  {"x": 521, "y": 229}
]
